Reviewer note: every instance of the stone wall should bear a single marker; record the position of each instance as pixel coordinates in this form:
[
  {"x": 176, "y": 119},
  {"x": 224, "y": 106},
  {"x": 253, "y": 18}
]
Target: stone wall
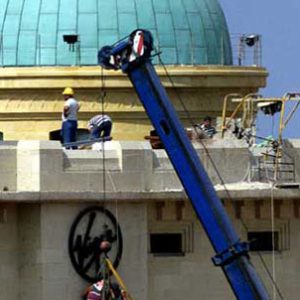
[
  {"x": 193, "y": 274},
  {"x": 31, "y": 102},
  {"x": 8, "y": 166},
  {"x": 9, "y": 252},
  {"x": 49, "y": 186},
  {"x": 130, "y": 167},
  {"x": 35, "y": 263}
]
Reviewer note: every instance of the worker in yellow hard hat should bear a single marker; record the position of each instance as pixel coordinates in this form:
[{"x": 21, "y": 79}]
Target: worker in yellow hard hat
[
  {"x": 69, "y": 117},
  {"x": 68, "y": 91}
]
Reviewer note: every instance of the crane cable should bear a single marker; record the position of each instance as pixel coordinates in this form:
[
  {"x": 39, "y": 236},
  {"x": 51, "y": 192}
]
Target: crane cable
[
  {"x": 273, "y": 240},
  {"x": 272, "y": 181},
  {"x": 103, "y": 95},
  {"x": 192, "y": 123},
  {"x": 102, "y": 99}
]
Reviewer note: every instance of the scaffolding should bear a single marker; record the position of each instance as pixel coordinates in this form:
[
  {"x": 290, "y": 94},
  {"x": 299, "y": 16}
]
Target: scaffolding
[{"x": 273, "y": 161}]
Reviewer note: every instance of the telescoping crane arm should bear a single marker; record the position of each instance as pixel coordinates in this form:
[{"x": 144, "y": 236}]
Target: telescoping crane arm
[{"x": 133, "y": 56}]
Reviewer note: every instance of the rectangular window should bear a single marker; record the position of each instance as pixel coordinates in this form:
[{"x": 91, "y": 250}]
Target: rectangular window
[
  {"x": 166, "y": 244},
  {"x": 262, "y": 240}
]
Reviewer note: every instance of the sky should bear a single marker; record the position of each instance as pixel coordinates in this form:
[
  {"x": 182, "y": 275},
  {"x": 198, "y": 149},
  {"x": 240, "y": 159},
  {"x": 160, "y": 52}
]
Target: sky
[{"x": 278, "y": 23}]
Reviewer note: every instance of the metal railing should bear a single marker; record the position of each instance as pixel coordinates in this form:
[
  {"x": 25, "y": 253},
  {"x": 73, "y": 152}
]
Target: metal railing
[
  {"x": 247, "y": 49},
  {"x": 32, "y": 48}
]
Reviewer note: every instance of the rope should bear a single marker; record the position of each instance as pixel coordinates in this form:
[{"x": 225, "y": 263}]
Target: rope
[
  {"x": 192, "y": 123},
  {"x": 103, "y": 95},
  {"x": 118, "y": 278},
  {"x": 291, "y": 114},
  {"x": 276, "y": 291},
  {"x": 272, "y": 275},
  {"x": 273, "y": 240}
]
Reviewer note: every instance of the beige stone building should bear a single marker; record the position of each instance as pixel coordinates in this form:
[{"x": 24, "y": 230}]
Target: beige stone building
[
  {"x": 45, "y": 189},
  {"x": 31, "y": 100}
]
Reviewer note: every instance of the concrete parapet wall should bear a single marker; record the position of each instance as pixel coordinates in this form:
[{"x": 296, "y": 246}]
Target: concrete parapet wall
[
  {"x": 8, "y": 166},
  {"x": 292, "y": 149},
  {"x": 34, "y": 256},
  {"x": 128, "y": 166}
]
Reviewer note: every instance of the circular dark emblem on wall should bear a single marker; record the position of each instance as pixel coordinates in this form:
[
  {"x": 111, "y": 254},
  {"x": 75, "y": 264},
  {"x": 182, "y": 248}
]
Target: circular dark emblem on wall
[{"x": 91, "y": 227}]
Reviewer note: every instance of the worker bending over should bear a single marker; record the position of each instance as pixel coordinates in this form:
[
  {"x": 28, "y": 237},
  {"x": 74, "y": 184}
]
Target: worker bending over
[{"x": 100, "y": 126}]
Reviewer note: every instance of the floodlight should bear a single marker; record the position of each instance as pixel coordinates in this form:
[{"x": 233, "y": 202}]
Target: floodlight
[{"x": 70, "y": 38}]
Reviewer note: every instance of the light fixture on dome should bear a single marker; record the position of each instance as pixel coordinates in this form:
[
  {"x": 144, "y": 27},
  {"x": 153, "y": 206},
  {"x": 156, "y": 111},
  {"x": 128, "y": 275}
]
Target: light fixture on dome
[
  {"x": 250, "y": 40},
  {"x": 247, "y": 41},
  {"x": 71, "y": 40}
]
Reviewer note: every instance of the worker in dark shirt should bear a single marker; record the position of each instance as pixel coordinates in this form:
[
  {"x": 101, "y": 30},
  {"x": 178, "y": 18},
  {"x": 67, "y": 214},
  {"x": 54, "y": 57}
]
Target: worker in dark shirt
[
  {"x": 96, "y": 292},
  {"x": 100, "y": 126},
  {"x": 104, "y": 288},
  {"x": 207, "y": 128}
]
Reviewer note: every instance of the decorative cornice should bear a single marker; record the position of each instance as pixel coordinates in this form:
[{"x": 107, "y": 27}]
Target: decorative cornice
[{"x": 90, "y": 77}]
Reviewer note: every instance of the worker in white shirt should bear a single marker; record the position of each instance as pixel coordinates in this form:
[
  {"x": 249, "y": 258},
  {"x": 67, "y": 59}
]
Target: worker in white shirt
[{"x": 69, "y": 117}]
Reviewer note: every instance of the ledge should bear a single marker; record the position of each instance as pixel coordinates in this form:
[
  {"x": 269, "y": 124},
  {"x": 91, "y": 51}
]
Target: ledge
[
  {"x": 86, "y": 197},
  {"x": 90, "y": 77}
]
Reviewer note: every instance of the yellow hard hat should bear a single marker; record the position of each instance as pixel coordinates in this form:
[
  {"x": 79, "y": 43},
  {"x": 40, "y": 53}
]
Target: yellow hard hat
[{"x": 68, "y": 91}]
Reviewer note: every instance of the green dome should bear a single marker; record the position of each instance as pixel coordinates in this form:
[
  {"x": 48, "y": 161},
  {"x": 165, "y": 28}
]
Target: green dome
[{"x": 187, "y": 32}]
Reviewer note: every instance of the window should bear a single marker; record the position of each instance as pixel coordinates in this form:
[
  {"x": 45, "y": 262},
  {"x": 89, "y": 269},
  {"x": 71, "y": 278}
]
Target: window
[
  {"x": 166, "y": 244},
  {"x": 171, "y": 238},
  {"x": 260, "y": 235},
  {"x": 262, "y": 240}
]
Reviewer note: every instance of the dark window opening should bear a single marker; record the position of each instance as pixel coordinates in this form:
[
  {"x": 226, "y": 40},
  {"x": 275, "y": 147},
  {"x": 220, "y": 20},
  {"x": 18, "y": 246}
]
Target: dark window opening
[
  {"x": 166, "y": 244},
  {"x": 1, "y": 136},
  {"x": 262, "y": 240}
]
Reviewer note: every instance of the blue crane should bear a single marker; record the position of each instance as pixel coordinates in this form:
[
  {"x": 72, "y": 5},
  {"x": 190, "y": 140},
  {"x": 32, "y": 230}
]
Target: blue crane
[{"x": 133, "y": 56}]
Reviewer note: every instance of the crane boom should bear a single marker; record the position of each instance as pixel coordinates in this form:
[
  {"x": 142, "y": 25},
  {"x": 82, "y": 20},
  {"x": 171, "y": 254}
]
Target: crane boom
[{"x": 133, "y": 56}]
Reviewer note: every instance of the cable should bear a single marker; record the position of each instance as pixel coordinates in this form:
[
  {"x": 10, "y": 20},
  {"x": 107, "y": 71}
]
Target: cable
[
  {"x": 103, "y": 94},
  {"x": 291, "y": 113},
  {"x": 192, "y": 122},
  {"x": 273, "y": 240},
  {"x": 272, "y": 276}
]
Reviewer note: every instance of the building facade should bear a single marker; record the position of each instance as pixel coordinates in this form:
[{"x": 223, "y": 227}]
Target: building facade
[
  {"x": 165, "y": 251},
  {"x": 162, "y": 251}
]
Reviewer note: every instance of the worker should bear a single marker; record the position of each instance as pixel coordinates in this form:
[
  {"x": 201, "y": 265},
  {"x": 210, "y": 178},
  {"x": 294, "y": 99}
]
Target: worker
[
  {"x": 100, "y": 126},
  {"x": 69, "y": 117},
  {"x": 104, "y": 288},
  {"x": 207, "y": 128},
  {"x": 98, "y": 291}
]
